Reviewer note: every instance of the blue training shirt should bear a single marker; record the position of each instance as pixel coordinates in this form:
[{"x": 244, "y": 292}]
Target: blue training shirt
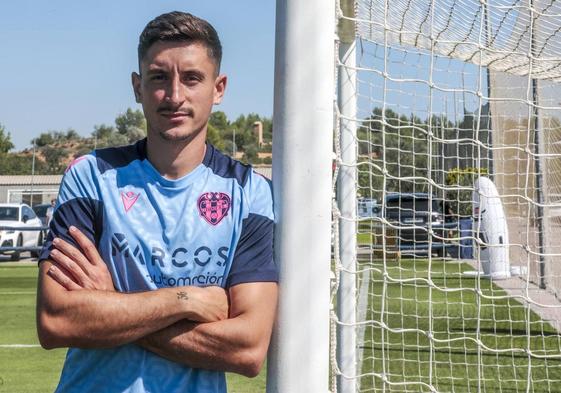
[{"x": 213, "y": 226}]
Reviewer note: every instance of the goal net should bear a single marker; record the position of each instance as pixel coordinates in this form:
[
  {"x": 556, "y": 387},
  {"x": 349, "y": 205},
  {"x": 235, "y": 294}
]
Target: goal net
[{"x": 447, "y": 220}]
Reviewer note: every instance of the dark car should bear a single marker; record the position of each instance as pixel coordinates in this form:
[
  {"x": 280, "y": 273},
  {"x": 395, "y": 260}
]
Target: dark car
[
  {"x": 413, "y": 216},
  {"x": 41, "y": 211}
]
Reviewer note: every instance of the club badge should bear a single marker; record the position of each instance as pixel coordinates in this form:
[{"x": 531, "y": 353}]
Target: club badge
[{"x": 214, "y": 206}]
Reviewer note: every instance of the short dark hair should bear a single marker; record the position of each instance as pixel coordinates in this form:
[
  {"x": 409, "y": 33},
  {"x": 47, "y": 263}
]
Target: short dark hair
[{"x": 180, "y": 26}]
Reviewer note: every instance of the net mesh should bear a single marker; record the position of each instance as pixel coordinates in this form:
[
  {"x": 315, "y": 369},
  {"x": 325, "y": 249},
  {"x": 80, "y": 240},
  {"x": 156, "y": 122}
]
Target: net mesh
[{"x": 449, "y": 92}]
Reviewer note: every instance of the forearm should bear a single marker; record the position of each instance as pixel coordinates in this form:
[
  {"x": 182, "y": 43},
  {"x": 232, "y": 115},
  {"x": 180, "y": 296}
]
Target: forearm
[
  {"x": 91, "y": 318},
  {"x": 223, "y": 345},
  {"x": 238, "y": 344}
]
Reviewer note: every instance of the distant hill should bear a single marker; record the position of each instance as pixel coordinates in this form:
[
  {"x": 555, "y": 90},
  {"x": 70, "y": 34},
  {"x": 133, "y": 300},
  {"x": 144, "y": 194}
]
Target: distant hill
[{"x": 248, "y": 138}]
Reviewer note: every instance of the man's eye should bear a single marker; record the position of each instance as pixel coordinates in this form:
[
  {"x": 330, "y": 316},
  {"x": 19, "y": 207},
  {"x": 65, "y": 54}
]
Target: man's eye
[
  {"x": 192, "y": 79},
  {"x": 157, "y": 77}
]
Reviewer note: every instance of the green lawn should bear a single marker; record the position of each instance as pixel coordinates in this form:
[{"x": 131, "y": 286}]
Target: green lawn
[
  {"x": 33, "y": 369},
  {"x": 400, "y": 309},
  {"x": 458, "y": 321}
]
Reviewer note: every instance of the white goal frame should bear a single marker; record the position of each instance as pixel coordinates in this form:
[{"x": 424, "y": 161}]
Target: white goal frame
[
  {"x": 302, "y": 154},
  {"x": 316, "y": 343}
]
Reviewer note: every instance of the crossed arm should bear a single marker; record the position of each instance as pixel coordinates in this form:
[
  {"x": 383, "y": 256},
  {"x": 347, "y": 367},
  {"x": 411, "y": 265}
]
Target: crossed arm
[{"x": 77, "y": 306}]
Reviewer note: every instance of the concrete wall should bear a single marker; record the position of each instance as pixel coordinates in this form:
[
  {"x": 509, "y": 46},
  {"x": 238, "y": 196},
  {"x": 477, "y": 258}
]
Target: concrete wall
[{"x": 515, "y": 172}]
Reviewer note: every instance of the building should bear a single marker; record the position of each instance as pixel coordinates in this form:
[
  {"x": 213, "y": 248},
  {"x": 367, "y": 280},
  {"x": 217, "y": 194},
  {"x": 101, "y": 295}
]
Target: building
[{"x": 32, "y": 190}]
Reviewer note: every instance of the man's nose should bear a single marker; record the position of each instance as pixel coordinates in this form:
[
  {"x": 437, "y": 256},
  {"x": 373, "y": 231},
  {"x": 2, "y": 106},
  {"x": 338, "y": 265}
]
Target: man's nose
[{"x": 174, "y": 92}]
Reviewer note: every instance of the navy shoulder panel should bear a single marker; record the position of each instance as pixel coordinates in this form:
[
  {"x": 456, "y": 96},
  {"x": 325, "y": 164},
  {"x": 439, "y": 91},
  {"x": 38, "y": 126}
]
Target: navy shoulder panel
[
  {"x": 253, "y": 258},
  {"x": 117, "y": 157},
  {"x": 85, "y": 214},
  {"x": 224, "y": 166}
]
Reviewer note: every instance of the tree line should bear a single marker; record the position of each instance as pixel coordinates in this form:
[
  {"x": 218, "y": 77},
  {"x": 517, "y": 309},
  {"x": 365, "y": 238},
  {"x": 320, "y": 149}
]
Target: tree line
[
  {"x": 53, "y": 150},
  {"x": 396, "y": 152},
  {"x": 408, "y": 154}
]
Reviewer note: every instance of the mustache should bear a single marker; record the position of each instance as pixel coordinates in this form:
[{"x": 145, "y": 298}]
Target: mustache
[{"x": 170, "y": 109}]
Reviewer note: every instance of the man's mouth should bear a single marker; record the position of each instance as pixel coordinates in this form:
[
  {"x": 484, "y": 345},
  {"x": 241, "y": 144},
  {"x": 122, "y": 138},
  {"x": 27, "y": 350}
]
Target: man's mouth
[{"x": 175, "y": 115}]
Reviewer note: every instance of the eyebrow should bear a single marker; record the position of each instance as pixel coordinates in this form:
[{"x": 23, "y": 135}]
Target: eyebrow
[
  {"x": 154, "y": 68},
  {"x": 195, "y": 72},
  {"x": 157, "y": 70}
]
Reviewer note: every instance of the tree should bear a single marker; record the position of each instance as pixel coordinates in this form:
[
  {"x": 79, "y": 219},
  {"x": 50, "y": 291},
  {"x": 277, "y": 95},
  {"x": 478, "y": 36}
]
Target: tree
[
  {"x": 5, "y": 141},
  {"x": 250, "y": 156},
  {"x": 19, "y": 164},
  {"x": 267, "y": 129},
  {"x": 52, "y": 137},
  {"x": 117, "y": 139},
  {"x": 213, "y": 136},
  {"x": 112, "y": 139},
  {"x": 134, "y": 134},
  {"x": 44, "y": 139},
  {"x": 72, "y": 135},
  {"x": 397, "y": 144},
  {"x": 103, "y": 131},
  {"x": 461, "y": 203},
  {"x": 131, "y": 124},
  {"x": 130, "y": 119},
  {"x": 219, "y": 121},
  {"x": 54, "y": 159}
]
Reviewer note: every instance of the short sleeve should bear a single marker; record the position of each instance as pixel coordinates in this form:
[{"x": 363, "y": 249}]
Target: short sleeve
[
  {"x": 77, "y": 205},
  {"x": 253, "y": 258}
]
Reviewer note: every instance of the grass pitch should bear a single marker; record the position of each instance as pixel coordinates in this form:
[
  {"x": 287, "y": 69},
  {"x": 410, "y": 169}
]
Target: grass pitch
[
  {"x": 27, "y": 368},
  {"x": 482, "y": 339}
]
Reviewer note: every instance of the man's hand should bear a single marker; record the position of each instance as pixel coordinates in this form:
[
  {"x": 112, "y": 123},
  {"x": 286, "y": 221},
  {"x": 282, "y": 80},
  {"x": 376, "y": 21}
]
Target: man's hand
[
  {"x": 237, "y": 342},
  {"x": 209, "y": 304},
  {"x": 76, "y": 270}
]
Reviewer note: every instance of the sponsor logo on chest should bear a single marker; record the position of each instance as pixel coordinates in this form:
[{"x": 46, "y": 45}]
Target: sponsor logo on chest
[{"x": 198, "y": 265}]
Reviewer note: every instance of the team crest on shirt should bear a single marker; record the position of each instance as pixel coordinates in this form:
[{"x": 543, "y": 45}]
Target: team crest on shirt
[{"x": 214, "y": 206}]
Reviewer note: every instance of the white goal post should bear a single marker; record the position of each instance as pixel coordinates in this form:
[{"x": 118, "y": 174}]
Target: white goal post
[
  {"x": 389, "y": 118},
  {"x": 303, "y": 120}
]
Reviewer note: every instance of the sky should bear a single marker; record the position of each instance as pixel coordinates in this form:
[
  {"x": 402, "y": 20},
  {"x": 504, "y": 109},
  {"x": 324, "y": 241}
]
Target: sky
[{"x": 67, "y": 63}]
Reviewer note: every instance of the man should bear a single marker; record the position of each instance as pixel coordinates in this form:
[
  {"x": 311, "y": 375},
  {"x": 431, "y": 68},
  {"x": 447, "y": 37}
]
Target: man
[
  {"x": 49, "y": 212},
  {"x": 158, "y": 270}
]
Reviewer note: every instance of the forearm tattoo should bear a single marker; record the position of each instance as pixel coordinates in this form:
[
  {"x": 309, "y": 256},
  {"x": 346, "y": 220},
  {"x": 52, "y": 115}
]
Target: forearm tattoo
[{"x": 182, "y": 295}]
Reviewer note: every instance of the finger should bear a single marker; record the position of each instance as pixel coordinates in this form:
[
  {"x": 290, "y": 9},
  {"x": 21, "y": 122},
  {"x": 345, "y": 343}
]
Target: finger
[
  {"x": 60, "y": 277},
  {"x": 73, "y": 253},
  {"x": 72, "y": 267},
  {"x": 86, "y": 245}
]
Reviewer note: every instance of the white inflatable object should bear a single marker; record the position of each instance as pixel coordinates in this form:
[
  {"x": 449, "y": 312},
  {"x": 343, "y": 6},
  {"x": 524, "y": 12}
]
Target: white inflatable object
[{"x": 490, "y": 218}]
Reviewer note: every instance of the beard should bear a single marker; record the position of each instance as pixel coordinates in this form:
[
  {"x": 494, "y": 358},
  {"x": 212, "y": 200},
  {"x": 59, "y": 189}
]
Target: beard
[
  {"x": 180, "y": 133},
  {"x": 172, "y": 136}
]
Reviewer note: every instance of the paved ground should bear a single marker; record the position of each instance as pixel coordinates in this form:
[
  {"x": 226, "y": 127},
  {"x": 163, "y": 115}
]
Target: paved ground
[
  {"x": 542, "y": 302},
  {"x": 25, "y": 260}
]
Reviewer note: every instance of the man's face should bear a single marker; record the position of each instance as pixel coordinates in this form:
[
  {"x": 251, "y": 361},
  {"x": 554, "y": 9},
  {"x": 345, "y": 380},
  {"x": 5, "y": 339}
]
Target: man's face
[{"x": 177, "y": 88}]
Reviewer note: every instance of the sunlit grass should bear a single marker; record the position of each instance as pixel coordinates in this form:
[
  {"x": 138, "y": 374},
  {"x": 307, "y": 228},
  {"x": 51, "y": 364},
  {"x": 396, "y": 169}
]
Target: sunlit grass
[
  {"x": 481, "y": 342},
  {"x": 33, "y": 369}
]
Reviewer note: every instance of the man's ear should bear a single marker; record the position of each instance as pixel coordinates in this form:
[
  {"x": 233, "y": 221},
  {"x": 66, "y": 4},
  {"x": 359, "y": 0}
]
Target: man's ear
[
  {"x": 219, "y": 88},
  {"x": 136, "y": 80}
]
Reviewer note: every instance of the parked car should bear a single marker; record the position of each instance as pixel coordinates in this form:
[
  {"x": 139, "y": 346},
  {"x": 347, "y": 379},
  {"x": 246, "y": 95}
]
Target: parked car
[
  {"x": 15, "y": 216},
  {"x": 367, "y": 208},
  {"x": 414, "y": 214}
]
